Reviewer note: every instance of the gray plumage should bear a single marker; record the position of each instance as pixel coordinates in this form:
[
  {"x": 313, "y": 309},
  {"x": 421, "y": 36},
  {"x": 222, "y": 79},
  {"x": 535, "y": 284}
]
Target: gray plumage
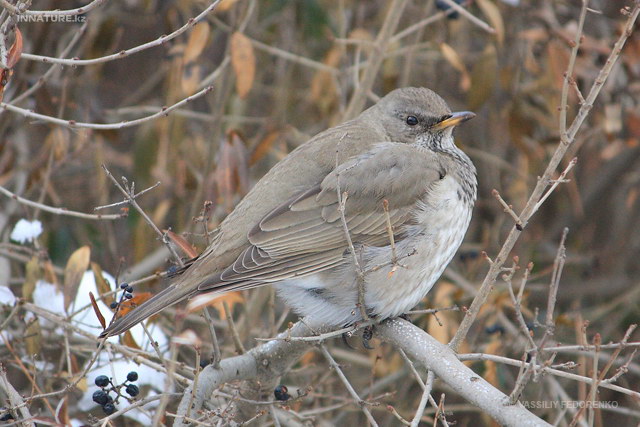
[{"x": 288, "y": 230}]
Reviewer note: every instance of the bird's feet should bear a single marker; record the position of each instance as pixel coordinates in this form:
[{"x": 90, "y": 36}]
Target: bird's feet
[{"x": 367, "y": 335}]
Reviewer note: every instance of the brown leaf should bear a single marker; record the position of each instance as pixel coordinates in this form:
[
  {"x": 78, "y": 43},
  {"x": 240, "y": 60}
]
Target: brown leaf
[
  {"x": 76, "y": 266},
  {"x": 16, "y": 50},
  {"x": 225, "y": 5},
  {"x": 443, "y": 330},
  {"x": 101, "y": 284},
  {"x": 483, "y": 77},
  {"x": 243, "y": 61},
  {"x": 33, "y": 338},
  {"x": 197, "y": 41},
  {"x": 182, "y": 243},
  {"x": 323, "y": 86},
  {"x": 96, "y": 310},
  {"x": 32, "y": 275},
  {"x": 62, "y": 415},
  {"x": 263, "y": 147},
  {"x": 232, "y": 171},
  {"x": 491, "y": 11},
  {"x": 456, "y": 62}
]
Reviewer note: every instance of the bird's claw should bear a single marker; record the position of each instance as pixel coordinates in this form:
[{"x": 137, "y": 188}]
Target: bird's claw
[{"x": 367, "y": 335}]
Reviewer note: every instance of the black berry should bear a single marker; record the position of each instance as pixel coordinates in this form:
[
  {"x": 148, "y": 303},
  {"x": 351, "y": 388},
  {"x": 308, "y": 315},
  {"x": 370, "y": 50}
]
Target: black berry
[
  {"x": 102, "y": 381},
  {"x": 129, "y": 289},
  {"x": 128, "y": 296},
  {"x": 100, "y": 397},
  {"x": 281, "y": 393},
  {"x": 109, "y": 408},
  {"x": 124, "y": 285},
  {"x": 132, "y": 376},
  {"x": 113, "y": 305},
  {"x": 132, "y": 390}
]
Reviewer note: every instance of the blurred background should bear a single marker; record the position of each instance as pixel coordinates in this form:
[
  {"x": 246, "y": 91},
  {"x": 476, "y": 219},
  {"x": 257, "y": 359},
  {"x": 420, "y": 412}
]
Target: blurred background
[{"x": 282, "y": 71}]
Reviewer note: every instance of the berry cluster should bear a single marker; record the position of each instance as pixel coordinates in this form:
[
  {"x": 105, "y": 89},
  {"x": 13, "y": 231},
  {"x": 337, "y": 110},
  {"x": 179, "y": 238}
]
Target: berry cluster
[
  {"x": 6, "y": 416},
  {"x": 103, "y": 396},
  {"x": 126, "y": 295}
]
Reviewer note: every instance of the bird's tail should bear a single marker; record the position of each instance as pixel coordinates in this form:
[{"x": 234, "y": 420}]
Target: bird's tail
[{"x": 168, "y": 297}]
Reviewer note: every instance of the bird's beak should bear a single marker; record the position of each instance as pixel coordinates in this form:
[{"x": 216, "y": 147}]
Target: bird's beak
[{"x": 454, "y": 119}]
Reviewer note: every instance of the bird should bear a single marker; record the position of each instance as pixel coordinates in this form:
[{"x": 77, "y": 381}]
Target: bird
[{"x": 379, "y": 203}]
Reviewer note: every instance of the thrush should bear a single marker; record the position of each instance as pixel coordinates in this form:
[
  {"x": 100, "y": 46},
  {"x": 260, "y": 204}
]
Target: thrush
[{"x": 390, "y": 187}]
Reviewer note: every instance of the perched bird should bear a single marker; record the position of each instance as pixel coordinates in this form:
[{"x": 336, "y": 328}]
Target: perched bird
[{"x": 407, "y": 193}]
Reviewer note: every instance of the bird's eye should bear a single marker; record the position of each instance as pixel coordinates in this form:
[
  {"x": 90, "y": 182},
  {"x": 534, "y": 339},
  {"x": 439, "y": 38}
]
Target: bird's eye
[{"x": 412, "y": 120}]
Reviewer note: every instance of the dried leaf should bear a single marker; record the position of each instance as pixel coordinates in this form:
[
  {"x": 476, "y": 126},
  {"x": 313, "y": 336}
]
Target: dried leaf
[
  {"x": 225, "y": 5},
  {"x": 216, "y": 301},
  {"x": 101, "y": 284},
  {"x": 96, "y": 310},
  {"x": 491, "y": 11},
  {"x": 129, "y": 341},
  {"x": 243, "y": 61},
  {"x": 361, "y": 34},
  {"x": 62, "y": 415},
  {"x": 443, "y": 330},
  {"x": 491, "y": 369},
  {"x": 16, "y": 50},
  {"x": 33, "y": 338},
  {"x": 32, "y": 275},
  {"x": 323, "y": 86},
  {"x": 49, "y": 274},
  {"x": 187, "y": 337},
  {"x": 130, "y": 304},
  {"x": 76, "y": 266},
  {"x": 182, "y": 243},
  {"x": 456, "y": 62},
  {"x": 197, "y": 41},
  {"x": 232, "y": 171},
  {"x": 483, "y": 77},
  {"x": 191, "y": 77},
  {"x": 263, "y": 147}
]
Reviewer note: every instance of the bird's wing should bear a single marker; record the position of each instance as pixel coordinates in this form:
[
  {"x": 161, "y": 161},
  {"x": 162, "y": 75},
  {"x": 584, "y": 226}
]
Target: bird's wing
[{"x": 306, "y": 234}]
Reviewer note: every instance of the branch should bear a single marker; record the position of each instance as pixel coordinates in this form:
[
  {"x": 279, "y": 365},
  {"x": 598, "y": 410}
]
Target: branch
[
  {"x": 124, "y": 53},
  {"x": 543, "y": 182}
]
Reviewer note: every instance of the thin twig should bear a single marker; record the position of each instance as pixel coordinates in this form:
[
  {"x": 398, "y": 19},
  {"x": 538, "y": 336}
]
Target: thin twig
[
  {"x": 163, "y": 112},
  {"x": 348, "y": 385},
  {"x": 59, "y": 211}
]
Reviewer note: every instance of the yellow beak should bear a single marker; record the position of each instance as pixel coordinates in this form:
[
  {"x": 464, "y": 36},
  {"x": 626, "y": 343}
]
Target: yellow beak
[{"x": 453, "y": 120}]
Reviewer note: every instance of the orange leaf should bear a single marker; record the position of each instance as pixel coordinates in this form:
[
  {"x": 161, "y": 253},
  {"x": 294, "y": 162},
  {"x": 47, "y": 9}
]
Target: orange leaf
[
  {"x": 96, "y": 310},
  {"x": 128, "y": 305},
  {"x": 16, "y": 50},
  {"x": 77, "y": 264},
  {"x": 243, "y": 61}
]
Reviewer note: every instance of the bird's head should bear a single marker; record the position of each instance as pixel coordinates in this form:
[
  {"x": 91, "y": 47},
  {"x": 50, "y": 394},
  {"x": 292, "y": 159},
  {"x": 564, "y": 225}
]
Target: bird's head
[{"x": 419, "y": 116}]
